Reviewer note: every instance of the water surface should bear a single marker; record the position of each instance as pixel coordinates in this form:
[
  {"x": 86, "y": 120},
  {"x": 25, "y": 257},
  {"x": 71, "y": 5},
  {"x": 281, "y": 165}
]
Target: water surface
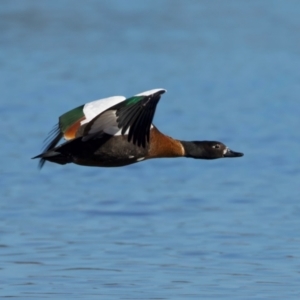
[{"x": 161, "y": 229}]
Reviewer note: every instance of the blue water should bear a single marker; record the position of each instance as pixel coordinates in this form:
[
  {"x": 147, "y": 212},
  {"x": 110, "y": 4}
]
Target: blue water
[{"x": 167, "y": 228}]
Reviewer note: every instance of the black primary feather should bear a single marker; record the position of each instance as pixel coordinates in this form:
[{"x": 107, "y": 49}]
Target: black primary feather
[{"x": 137, "y": 117}]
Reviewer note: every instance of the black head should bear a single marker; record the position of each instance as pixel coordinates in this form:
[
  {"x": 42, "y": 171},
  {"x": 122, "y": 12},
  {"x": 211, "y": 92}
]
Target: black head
[{"x": 208, "y": 150}]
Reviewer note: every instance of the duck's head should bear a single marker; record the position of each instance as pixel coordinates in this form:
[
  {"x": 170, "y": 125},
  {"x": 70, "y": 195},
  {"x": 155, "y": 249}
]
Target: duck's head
[{"x": 208, "y": 150}]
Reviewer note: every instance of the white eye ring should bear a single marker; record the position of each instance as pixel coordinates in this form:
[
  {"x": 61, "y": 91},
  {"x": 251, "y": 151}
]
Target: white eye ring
[{"x": 217, "y": 146}]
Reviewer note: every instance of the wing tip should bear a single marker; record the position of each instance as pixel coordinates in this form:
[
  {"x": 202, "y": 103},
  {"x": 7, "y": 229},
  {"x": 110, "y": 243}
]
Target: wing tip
[{"x": 151, "y": 92}]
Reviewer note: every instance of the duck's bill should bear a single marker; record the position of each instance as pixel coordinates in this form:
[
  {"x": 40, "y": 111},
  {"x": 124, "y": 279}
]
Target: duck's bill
[{"x": 230, "y": 153}]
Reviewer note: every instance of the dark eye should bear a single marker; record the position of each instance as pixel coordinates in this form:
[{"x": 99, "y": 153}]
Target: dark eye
[{"x": 217, "y": 146}]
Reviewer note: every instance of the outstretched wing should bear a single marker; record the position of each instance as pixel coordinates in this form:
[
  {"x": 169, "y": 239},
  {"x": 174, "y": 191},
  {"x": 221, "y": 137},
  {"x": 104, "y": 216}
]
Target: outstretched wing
[{"x": 132, "y": 117}]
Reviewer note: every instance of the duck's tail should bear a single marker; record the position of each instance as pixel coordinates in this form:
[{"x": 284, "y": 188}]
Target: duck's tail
[{"x": 53, "y": 156}]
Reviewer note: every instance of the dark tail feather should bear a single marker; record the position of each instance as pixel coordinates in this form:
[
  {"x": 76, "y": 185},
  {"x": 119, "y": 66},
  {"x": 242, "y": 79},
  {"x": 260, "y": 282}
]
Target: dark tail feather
[
  {"x": 41, "y": 163},
  {"x": 53, "y": 156},
  {"x": 51, "y": 141}
]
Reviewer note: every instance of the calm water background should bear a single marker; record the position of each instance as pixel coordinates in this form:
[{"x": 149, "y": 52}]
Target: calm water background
[{"x": 161, "y": 229}]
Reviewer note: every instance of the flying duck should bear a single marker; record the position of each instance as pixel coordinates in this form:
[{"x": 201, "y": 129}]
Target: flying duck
[{"x": 115, "y": 132}]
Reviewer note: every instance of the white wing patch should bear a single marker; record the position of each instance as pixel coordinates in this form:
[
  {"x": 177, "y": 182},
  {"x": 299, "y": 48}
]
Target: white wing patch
[
  {"x": 107, "y": 123},
  {"x": 150, "y": 92},
  {"x": 94, "y": 108}
]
